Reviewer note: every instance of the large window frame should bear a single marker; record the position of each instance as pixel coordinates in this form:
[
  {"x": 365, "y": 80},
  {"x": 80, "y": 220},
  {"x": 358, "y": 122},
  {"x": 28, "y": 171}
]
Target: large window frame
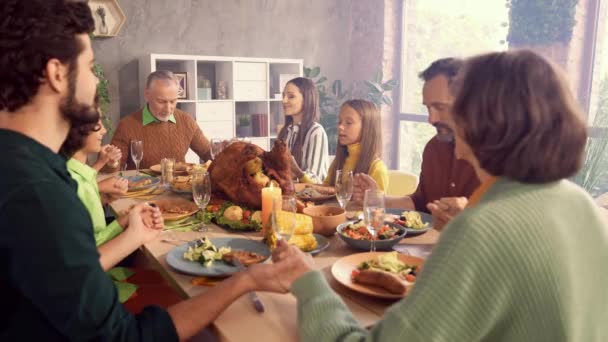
[{"x": 592, "y": 27}]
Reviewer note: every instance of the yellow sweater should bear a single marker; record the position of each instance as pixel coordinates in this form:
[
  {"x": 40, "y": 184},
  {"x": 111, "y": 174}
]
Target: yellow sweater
[{"x": 377, "y": 170}]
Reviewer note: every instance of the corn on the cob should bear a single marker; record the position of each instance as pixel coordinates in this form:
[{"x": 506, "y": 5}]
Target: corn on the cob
[
  {"x": 303, "y": 222},
  {"x": 305, "y": 242}
]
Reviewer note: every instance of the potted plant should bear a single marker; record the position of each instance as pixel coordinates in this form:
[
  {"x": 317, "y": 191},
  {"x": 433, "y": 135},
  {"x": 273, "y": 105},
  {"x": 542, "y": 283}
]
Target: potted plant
[
  {"x": 244, "y": 127},
  {"x": 331, "y": 98}
]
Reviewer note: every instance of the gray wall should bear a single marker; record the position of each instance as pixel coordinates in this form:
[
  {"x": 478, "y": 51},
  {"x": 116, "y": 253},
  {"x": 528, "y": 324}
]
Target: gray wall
[{"x": 343, "y": 37}]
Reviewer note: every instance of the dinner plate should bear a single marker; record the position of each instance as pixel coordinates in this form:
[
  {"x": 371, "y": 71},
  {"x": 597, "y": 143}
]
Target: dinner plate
[
  {"x": 324, "y": 188},
  {"x": 190, "y": 208},
  {"x": 426, "y": 218},
  {"x": 219, "y": 268},
  {"x": 154, "y": 182},
  {"x": 343, "y": 268},
  {"x": 322, "y": 244}
]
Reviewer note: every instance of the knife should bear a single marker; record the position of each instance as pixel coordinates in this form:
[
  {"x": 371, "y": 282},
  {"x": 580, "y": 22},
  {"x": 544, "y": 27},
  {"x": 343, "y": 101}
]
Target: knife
[{"x": 257, "y": 302}]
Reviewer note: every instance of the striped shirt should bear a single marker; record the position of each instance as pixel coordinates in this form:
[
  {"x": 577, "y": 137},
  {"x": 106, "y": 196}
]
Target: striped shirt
[{"x": 315, "y": 150}]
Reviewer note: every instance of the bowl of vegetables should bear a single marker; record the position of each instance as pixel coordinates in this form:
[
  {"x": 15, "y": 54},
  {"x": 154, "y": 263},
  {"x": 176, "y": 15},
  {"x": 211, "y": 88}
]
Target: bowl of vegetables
[{"x": 356, "y": 235}]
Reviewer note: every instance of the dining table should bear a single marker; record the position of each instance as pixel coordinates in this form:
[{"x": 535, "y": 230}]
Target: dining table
[{"x": 240, "y": 321}]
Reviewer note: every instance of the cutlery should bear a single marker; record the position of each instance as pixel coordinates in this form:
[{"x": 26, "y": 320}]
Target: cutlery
[{"x": 257, "y": 302}]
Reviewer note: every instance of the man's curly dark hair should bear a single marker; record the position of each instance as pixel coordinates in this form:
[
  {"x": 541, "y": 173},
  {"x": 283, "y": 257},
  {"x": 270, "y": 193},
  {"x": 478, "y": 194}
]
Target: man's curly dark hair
[{"x": 31, "y": 33}]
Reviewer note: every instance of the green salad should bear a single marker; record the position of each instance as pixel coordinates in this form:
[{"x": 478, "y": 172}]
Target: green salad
[
  {"x": 233, "y": 216},
  {"x": 205, "y": 252}
]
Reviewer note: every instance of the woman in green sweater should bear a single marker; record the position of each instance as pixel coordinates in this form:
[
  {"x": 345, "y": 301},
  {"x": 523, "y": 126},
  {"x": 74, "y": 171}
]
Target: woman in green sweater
[{"x": 525, "y": 261}]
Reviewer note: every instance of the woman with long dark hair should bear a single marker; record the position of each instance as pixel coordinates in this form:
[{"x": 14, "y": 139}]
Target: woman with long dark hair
[{"x": 305, "y": 137}]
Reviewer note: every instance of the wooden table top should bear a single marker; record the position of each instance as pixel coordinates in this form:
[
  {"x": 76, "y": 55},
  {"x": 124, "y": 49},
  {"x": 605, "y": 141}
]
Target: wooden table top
[{"x": 279, "y": 321}]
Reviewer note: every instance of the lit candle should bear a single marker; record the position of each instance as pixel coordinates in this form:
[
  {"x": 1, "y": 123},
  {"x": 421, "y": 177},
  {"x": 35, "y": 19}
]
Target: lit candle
[{"x": 268, "y": 199}]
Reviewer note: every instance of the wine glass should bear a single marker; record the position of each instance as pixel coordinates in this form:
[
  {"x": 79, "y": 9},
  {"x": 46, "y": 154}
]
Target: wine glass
[
  {"x": 201, "y": 192},
  {"x": 344, "y": 187},
  {"x": 217, "y": 145},
  {"x": 373, "y": 213},
  {"x": 284, "y": 223},
  {"x": 137, "y": 153}
]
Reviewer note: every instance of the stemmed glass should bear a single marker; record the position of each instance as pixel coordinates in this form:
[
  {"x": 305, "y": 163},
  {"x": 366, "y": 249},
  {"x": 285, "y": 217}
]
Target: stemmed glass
[
  {"x": 137, "y": 153},
  {"x": 373, "y": 213},
  {"x": 201, "y": 192},
  {"x": 217, "y": 146},
  {"x": 285, "y": 225},
  {"x": 344, "y": 187}
]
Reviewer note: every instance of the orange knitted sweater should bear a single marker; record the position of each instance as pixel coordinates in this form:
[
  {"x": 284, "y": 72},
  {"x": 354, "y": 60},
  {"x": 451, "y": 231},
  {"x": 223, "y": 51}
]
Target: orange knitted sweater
[{"x": 161, "y": 139}]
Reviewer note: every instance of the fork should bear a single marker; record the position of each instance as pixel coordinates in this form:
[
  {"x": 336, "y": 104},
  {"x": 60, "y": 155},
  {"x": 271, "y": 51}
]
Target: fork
[{"x": 257, "y": 302}]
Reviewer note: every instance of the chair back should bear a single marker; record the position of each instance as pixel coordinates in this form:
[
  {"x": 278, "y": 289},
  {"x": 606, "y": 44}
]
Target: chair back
[{"x": 401, "y": 183}]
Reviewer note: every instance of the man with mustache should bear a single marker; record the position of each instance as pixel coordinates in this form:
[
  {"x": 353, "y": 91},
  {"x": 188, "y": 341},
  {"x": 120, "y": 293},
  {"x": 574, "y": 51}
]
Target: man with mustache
[
  {"x": 442, "y": 176},
  {"x": 165, "y": 130}
]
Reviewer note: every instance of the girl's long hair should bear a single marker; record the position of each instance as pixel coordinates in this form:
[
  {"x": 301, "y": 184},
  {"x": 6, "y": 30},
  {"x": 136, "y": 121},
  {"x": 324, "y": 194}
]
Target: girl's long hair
[{"x": 371, "y": 138}]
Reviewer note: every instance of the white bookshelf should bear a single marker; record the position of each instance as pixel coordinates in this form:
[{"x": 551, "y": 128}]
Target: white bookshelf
[{"x": 251, "y": 87}]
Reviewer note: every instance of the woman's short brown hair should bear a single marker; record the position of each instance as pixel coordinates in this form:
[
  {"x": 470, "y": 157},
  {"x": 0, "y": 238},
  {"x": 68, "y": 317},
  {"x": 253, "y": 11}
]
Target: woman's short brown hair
[{"x": 518, "y": 115}]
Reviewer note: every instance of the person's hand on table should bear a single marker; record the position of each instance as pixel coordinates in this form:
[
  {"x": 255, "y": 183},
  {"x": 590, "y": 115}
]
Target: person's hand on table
[
  {"x": 362, "y": 182},
  {"x": 112, "y": 188},
  {"x": 145, "y": 222},
  {"x": 289, "y": 264},
  {"x": 444, "y": 210}
]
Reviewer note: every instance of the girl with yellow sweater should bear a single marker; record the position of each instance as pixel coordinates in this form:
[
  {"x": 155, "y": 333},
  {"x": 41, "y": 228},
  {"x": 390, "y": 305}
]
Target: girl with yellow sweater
[{"x": 359, "y": 143}]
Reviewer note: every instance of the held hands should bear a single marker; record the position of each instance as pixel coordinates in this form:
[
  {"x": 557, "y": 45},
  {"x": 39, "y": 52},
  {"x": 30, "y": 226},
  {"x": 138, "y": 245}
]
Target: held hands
[
  {"x": 145, "y": 222},
  {"x": 113, "y": 187},
  {"x": 362, "y": 182},
  {"x": 445, "y": 209},
  {"x": 295, "y": 169},
  {"x": 289, "y": 264},
  {"x": 110, "y": 155}
]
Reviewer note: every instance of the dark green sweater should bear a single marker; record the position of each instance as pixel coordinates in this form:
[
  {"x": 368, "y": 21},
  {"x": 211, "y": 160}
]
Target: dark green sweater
[{"x": 52, "y": 287}]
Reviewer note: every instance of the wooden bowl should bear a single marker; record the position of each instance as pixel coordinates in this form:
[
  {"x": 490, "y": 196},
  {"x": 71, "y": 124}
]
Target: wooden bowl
[{"x": 325, "y": 218}]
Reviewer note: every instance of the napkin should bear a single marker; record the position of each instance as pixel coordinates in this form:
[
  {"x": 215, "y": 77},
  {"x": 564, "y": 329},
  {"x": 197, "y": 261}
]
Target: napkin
[{"x": 119, "y": 275}]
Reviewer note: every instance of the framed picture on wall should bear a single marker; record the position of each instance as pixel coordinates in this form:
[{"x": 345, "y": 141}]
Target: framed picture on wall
[{"x": 182, "y": 82}]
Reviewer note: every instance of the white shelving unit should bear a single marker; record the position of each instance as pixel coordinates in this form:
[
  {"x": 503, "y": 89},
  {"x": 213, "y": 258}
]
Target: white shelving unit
[{"x": 251, "y": 87}]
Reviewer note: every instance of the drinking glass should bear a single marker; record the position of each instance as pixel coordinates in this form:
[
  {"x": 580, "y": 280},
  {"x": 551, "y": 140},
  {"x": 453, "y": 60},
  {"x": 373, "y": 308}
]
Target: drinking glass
[
  {"x": 373, "y": 213},
  {"x": 344, "y": 187},
  {"x": 201, "y": 192},
  {"x": 217, "y": 145},
  {"x": 137, "y": 153},
  {"x": 284, "y": 224},
  {"x": 167, "y": 169}
]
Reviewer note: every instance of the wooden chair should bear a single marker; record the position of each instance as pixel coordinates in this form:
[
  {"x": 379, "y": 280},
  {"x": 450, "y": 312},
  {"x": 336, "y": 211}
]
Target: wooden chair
[{"x": 401, "y": 183}]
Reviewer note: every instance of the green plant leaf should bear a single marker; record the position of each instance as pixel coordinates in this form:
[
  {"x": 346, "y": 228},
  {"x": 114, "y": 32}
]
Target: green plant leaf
[
  {"x": 378, "y": 77},
  {"x": 336, "y": 88},
  {"x": 321, "y": 80},
  {"x": 390, "y": 85},
  {"x": 373, "y": 87},
  {"x": 387, "y": 100},
  {"x": 306, "y": 72},
  {"x": 315, "y": 72}
]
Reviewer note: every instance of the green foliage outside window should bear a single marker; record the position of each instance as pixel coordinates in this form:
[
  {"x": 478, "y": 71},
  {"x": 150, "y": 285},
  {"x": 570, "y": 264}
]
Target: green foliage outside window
[{"x": 540, "y": 22}]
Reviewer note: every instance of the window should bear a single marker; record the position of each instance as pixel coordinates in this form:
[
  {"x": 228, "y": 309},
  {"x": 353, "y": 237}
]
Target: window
[{"x": 434, "y": 29}]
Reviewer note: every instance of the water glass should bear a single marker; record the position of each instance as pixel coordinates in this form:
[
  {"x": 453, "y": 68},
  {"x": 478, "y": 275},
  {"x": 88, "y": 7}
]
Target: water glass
[
  {"x": 137, "y": 153},
  {"x": 201, "y": 192},
  {"x": 373, "y": 213},
  {"x": 344, "y": 187},
  {"x": 286, "y": 223},
  {"x": 217, "y": 145}
]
